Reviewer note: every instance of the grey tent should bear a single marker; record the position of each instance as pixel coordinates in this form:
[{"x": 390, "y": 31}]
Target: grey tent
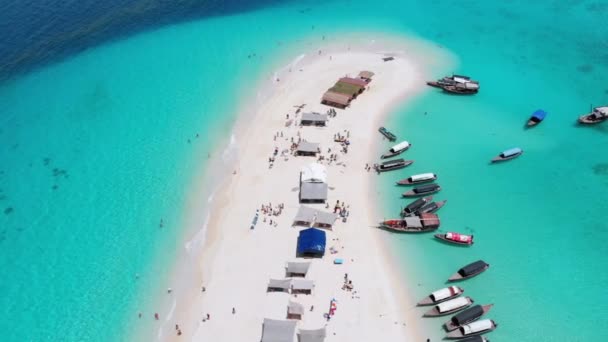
[
  {"x": 306, "y": 148},
  {"x": 316, "y": 119},
  {"x": 302, "y": 286},
  {"x": 295, "y": 310},
  {"x": 297, "y": 269},
  {"x": 304, "y": 217},
  {"x": 313, "y": 192},
  {"x": 275, "y": 330},
  {"x": 324, "y": 219},
  {"x": 279, "y": 285},
  {"x": 316, "y": 335}
]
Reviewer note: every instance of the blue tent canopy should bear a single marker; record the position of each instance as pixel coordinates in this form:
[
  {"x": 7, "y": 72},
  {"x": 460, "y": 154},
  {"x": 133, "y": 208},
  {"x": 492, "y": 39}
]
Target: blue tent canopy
[
  {"x": 311, "y": 241},
  {"x": 539, "y": 114}
]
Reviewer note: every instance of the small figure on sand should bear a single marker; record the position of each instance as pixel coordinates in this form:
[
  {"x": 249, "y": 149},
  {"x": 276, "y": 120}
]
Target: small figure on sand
[
  {"x": 156, "y": 317},
  {"x": 233, "y": 311}
]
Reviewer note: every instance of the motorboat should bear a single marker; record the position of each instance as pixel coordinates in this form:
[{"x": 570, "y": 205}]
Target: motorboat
[
  {"x": 417, "y": 179},
  {"x": 456, "y": 238},
  {"x": 476, "y": 338},
  {"x": 423, "y": 190},
  {"x": 536, "y": 118},
  {"x": 397, "y": 150},
  {"x": 450, "y": 80},
  {"x": 413, "y": 224},
  {"x": 449, "y": 307},
  {"x": 394, "y": 164},
  {"x": 469, "y": 315},
  {"x": 441, "y": 295},
  {"x": 597, "y": 115},
  {"x": 413, "y": 207},
  {"x": 474, "y": 328},
  {"x": 509, "y": 154},
  {"x": 470, "y": 270},
  {"x": 466, "y": 88}
]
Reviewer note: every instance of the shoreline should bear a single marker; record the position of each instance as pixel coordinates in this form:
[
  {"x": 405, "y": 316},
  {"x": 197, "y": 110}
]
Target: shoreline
[{"x": 211, "y": 238}]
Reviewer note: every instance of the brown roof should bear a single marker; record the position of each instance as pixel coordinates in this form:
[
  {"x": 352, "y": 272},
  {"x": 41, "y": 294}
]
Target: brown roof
[
  {"x": 341, "y": 99},
  {"x": 366, "y": 74},
  {"x": 346, "y": 88},
  {"x": 355, "y": 81}
]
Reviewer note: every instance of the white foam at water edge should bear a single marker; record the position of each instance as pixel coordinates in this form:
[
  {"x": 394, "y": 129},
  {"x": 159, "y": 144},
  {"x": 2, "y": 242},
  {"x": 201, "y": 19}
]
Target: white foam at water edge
[
  {"x": 199, "y": 237},
  {"x": 159, "y": 336},
  {"x": 230, "y": 148}
]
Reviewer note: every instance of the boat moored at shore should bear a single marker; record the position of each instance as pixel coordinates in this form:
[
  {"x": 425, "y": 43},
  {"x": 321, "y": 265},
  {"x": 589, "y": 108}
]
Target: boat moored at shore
[
  {"x": 597, "y": 115},
  {"x": 387, "y": 134},
  {"x": 473, "y": 328},
  {"x": 466, "y": 88},
  {"x": 449, "y": 307},
  {"x": 509, "y": 154},
  {"x": 467, "y": 316},
  {"x": 470, "y": 270},
  {"x": 536, "y": 118},
  {"x": 397, "y": 150},
  {"x": 431, "y": 207},
  {"x": 456, "y": 238},
  {"x": 413, "y": 224},
  {"x": 441, "y": 295},
  {"x": 417, "y": 179},
  {"x": 394, "y": 164},
  {"x": 423, "y": 190}
]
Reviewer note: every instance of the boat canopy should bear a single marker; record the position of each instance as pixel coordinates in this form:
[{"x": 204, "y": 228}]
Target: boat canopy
[
  {"x": 400, "y": 146},
  {"x": 445, "y": 293},
  {"x": 602, "y": 111},
  {"x": 467, "y": 85},
  {"x": 413, "y": 222},
  {"x": 539, "y": 114},
  {"x": 461, "y": 79},
  {"x": 452, "y": 304},
  {"x": 468, "y": 315},
  {"x": 415, "y": 205},
  {"x": 472, "y": 268},
  {"x": 430, "y": 219},
  {"x": 426, "y": 188},
  {"x": 476, "y": 327},
  {"x": 422, "y": 176},
  {"x": 458, "y": 237},
  {"x": 511, "y": 152}
]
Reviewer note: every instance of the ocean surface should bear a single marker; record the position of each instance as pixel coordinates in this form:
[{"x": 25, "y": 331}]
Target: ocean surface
[{"x": 110, "y": 110}]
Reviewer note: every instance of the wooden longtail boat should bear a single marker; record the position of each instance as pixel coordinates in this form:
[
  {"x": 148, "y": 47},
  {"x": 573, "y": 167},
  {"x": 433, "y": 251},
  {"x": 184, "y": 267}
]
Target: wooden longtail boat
[
  {"x": 394, "y": 164},
  {"x": 474, "y": 328},
  {"x": 536, "y": 118},
  {"x": 449, "y": 307},
  {"x": 456, "y": 238},
  {"x": 508, "y": 155},
  {"x": 413, "y": 224},
  {"x": 467, "y": 88},
  {"x": 397, "y": 150},
  {"x": 417, "y": 179},
  {"x": 450, "y": 80},
  {"x": 467, "y": 316},
  {"x": 470, "y": 270},
  {"x": 441, "y": 295},
  {"x": 431, "y": 207},
  {"x": 390, "y": 136},
  {"x": 411, "y": 208}
]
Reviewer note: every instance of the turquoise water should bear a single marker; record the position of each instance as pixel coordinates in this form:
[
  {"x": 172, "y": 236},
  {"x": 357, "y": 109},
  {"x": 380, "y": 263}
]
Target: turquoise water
[{"x": 95, "y": 153}]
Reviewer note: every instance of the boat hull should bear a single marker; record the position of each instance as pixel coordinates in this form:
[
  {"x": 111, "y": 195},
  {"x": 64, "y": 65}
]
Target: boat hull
[
  {"x": 434, "y": 312},
  {"x": 408, "y": 229},
  {"x": 586, "y": 120},
  {"x": 450, "y": 326},
  {"x": 457, "y": 243},
  {"x": 458, "y": 334},
  {"x": 454, "y": 90},
  {"x": 429, "y": 301},
  {"x": 457, "y": 277},
  {"x": 411, "y": 193},
  {"x": 433, "y": 84},
  {"x": 393, "y": 154},
  {"x": 499, "y": 158},
  {"x": 396, "y": 167},
  {"x": 532, "y": 123}
]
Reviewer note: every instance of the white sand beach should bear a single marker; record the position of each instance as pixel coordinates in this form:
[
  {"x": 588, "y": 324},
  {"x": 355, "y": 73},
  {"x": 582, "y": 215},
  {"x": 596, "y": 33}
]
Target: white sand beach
[{"x": 238, "y": 262}]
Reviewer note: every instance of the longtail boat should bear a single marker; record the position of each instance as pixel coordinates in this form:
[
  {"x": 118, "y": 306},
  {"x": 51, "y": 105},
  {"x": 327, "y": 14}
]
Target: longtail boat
[
  {"x": 470, "y": 270},
  {"x": 413, "y": 224}
]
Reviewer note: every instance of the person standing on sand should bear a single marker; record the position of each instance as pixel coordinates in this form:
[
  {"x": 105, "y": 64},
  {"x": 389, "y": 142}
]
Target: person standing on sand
[{"x": 233, "y": 311}]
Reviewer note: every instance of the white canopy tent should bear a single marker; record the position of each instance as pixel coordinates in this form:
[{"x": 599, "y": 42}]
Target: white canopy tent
[
  {"x": 313, "y": 173},
  {"x": 275, "y": 330}
]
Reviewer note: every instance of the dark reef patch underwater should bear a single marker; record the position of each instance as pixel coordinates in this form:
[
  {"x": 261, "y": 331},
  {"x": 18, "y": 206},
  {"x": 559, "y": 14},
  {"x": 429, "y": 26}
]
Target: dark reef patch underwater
[{"x": 34, "y": 34}]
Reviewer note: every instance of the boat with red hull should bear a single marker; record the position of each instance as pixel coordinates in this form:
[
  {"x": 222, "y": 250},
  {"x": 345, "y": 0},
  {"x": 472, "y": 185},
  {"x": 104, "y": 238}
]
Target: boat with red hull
[
  {"x": 456, "y": 238},
  {"x": 413, "y": 224}
]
